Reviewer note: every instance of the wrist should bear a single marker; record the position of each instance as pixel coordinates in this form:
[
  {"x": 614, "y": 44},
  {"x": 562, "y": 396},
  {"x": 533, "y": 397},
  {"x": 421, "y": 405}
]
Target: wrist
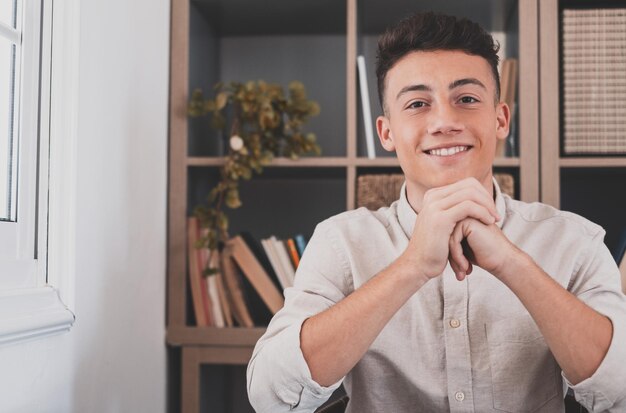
[
  {"x": 407, "y": 270},
  {"x": 514, "y": 265}
]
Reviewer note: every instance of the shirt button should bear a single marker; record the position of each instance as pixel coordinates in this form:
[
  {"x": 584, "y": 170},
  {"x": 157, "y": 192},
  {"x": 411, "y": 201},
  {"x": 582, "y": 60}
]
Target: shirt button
[
  {"x": 454, "y": 323},
  {"x": 459, "y": 396}
]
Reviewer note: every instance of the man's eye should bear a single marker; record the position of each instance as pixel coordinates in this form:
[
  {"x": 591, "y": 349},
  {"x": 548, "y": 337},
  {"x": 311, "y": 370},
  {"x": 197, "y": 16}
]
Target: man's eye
[
  {"x": 416, "y": 105},
  {"x": 468, "y": 99}
]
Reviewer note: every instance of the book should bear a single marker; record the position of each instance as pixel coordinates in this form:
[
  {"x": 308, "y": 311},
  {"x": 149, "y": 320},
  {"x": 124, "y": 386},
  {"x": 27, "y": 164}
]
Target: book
[
  {"x": 283, "y": 256},
  {"x": 213, "y": 294},
  {"x": 293, "y": 252},
  {"x": 365, "y": 106},
  {"x": 198, "y": 284},
  {"x": 223, "y": 296},
  {"x": 235, "y": 293},
  {"x": 256, "y": 274},
  {"x": 221, "y": 289},
  {"x": 262, "y": 257},
  {"x": 300, "y": 243},
  {"x": 214, "y": 300},
  {"x": 271, "y": 253}
]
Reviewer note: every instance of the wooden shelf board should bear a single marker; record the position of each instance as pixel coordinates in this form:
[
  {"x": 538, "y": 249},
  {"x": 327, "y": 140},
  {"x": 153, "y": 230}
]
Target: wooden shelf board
[
  {"x": 213, "y": 336},
  {"x": 506, "y": 162},
  {"x": 321, "y": 162},
  {"x": 595, "y": 162},
  {"x": 376, "y": 162},
  {"x": 329, "y": 162}
]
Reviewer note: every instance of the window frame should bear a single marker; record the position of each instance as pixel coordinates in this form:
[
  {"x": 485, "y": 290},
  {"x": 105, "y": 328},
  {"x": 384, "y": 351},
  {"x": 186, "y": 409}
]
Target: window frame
[
  {"x": 43, "y": 305},
  {"x": 18, "y": 238}
]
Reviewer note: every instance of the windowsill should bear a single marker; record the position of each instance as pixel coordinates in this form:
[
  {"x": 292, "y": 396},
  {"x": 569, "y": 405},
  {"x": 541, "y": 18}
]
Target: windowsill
[{"x": 27, "y": 314}]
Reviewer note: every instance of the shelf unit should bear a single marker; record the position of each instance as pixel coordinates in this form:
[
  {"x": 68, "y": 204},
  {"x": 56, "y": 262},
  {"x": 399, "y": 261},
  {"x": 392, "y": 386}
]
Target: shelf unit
[
  {"x": 592, "y": 186},
  {"x": 218, "y": 40}
]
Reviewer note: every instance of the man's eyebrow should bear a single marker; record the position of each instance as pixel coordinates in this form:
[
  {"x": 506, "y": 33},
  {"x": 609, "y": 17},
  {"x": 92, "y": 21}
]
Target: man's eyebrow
[
  {"x": 413, "y": 88},
  {"x": 466, "y": 81}
]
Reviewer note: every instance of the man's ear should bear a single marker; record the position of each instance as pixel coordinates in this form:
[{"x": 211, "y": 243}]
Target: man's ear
[
  {"x": 384, "y": 133},
  {"x": 503, "y": 120}
]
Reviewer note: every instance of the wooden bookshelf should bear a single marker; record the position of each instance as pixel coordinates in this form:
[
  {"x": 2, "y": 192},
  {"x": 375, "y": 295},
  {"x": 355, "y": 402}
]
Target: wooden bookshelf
[
  {"x": 206, "y": 36},
  {"x": 592, "y": 186}
]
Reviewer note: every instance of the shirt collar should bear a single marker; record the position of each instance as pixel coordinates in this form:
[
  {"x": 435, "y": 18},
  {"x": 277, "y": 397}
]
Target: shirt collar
[
  {"x": 500, "y": 203},
  {"x": 407, "y": 216}
]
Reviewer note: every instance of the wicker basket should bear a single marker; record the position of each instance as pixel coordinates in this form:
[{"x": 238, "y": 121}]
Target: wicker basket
[
  {"x": 380, "y": 190},
  {"x": 376, "y": 191}
]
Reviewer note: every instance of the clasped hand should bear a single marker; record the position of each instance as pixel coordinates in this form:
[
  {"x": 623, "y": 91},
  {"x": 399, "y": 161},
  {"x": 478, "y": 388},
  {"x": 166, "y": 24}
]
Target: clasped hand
[{"x": 457, "y": 224}]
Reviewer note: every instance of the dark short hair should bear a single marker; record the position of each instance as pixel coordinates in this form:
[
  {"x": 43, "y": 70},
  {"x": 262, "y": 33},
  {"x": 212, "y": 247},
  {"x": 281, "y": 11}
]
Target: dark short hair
[{"x": 429, "y": 32}]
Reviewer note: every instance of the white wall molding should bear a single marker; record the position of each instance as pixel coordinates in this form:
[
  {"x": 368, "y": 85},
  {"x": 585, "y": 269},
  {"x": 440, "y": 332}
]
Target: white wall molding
[
  {"x": 26, "y": 314},
  {"x": 63, "y": 149}
]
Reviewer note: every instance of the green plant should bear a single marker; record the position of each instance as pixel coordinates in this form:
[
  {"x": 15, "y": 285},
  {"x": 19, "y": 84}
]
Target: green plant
[{"x": 264, "y": 123}]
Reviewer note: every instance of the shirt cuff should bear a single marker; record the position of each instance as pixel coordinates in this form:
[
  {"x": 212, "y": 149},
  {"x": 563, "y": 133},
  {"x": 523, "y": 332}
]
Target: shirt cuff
[
  {"x": 606, "y": 386},
  {"x": 303, "y": 392}
]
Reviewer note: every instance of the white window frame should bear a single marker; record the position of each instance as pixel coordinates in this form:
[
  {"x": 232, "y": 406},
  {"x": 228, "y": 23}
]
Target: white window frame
[
  {"x": 42, "y": 304},
  {"x": 18, "y": 238}
]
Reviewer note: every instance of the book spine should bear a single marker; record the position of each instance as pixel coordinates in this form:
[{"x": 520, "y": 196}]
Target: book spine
[
  {"x": 233, "y": 287},
  {"x": 283, "y": 256},
  {"x": 278, "y": 269},
  {"x": 213, "y": 302},
  {"x": 255, "y": 273},
  {"x": 195, "y": 274},
  {"x": 223, "y": 296},
  {"x": 293, "y": 252},
  {"x": 300, "y": 243},
  {"x": 365, "y": 106}
]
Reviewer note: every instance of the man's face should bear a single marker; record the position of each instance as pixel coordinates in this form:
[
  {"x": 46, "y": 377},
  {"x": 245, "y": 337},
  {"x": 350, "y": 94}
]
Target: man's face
[{"x": 442, "y": 120}]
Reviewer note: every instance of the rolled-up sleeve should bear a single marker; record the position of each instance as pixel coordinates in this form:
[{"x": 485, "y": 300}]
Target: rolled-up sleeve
[
  {"x": 597, "y": 283},
  {"x": 278, "y": 376}
]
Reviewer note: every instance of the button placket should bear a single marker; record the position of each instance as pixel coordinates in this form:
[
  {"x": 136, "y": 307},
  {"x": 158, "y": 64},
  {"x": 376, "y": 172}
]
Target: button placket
[{"x": 456, "y": 334}]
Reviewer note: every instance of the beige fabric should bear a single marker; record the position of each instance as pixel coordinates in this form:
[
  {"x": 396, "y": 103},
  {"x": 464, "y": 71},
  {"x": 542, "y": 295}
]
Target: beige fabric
[{"x": 455, "y": 346}]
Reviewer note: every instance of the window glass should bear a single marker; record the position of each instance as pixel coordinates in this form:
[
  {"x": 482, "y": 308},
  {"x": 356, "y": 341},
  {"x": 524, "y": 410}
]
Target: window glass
[
  {"x": 7, "y": 12},
  {"x": 7, "y": 129}
]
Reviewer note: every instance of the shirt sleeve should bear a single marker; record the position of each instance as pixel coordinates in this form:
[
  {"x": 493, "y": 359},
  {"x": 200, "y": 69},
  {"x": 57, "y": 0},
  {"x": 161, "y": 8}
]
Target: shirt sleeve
[
  {"x": 278, "y": 376},
  {"x": 597, "y": 283}
]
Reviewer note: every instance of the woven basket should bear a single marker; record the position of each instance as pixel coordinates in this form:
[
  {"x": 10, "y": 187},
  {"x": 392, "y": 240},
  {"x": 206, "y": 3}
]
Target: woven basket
[
  {"x": 376, "y": 191},
  {"x": 380, "y": 190}
]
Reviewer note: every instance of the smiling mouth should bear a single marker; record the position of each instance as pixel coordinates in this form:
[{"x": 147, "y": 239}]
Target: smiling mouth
[{"x": 448, "y": 151}]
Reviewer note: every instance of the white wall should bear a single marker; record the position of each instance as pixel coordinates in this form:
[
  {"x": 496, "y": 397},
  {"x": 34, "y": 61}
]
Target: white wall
[{"x": 113, "y": 360}]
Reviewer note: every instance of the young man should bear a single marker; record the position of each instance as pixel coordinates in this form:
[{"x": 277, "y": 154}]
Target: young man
[{"x": 455, "y": 298}]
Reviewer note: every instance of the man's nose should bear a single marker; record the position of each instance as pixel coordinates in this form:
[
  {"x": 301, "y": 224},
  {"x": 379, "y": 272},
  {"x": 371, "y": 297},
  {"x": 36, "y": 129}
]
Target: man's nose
[{"x": 444, "y": 121}]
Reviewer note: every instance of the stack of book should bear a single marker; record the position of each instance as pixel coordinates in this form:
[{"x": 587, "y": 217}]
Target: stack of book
[
  {"x": 247, "y": 289},
  {"x": 594, "y": 81}
]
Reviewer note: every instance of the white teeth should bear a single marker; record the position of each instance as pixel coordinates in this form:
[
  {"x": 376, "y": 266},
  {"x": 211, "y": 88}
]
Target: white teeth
[{"x": 448, "y": 151}]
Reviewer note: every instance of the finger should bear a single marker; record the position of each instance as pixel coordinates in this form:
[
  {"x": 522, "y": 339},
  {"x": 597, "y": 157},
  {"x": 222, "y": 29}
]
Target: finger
[
  {"x": 470, "y": 209},
  {"x": 444, "y": 191},
  {"x": 455, "y": 249},
  {"x": 458, "y": 272},
  {"x": 468, "y": 194}
]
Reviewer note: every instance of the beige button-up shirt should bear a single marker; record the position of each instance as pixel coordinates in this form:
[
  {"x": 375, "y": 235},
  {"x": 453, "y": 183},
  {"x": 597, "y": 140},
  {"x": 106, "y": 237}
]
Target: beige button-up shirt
[{"x": 467, "y": 346}]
